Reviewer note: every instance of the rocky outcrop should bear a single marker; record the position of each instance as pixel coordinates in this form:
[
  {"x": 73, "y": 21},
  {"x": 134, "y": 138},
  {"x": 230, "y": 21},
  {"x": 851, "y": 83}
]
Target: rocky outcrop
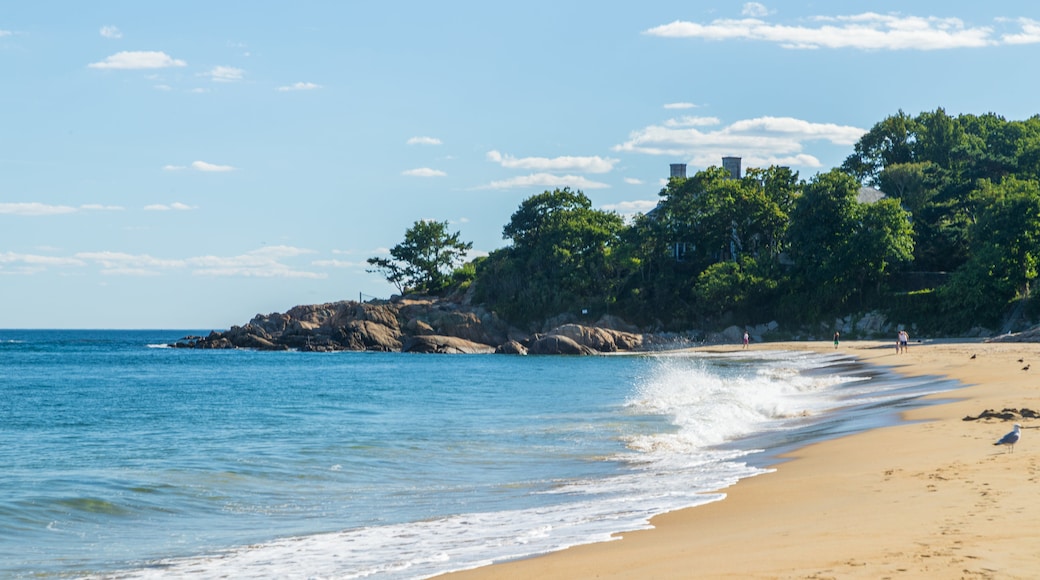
[{"x": 413, "y": 324}]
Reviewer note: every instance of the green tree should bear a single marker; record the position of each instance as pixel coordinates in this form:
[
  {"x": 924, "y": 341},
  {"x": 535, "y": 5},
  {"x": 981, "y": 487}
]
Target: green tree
[
  {"x": 561, "y": 258},
  {"x": 890, "y": 141},
  {"x": 1005, "y": 253},
  {"x": 424, "y": 261},
  {"x": 839, "y": 245}
]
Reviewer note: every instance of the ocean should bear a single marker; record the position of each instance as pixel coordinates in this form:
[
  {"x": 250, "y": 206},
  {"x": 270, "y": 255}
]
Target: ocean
[{"x": 123, "y": 458}]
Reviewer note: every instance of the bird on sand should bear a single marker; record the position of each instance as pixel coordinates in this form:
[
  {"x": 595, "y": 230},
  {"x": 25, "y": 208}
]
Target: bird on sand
[
  {"x": 1025, "y": 368},
  {"x": 1011, "y": 438},
  {"x": 972, "y": 356},
  {"x": 1021, "y": 360}
]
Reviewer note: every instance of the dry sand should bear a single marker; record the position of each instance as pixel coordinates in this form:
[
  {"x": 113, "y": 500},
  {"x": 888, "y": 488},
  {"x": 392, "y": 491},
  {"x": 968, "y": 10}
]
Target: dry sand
[{"x": 929, "y": 498}]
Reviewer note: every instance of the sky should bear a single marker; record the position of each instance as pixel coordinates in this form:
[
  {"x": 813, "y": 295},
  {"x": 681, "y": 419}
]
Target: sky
[{"x": 189, "y": 165}]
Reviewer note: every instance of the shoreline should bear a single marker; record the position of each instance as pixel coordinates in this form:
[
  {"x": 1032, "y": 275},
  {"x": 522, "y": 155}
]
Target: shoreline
[{"x": 928, "y": 497}]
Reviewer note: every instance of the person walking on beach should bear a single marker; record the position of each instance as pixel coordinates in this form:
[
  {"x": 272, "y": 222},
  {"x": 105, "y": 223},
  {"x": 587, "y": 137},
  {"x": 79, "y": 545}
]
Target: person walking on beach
[
  {"x": 746, "y": 338},
  {"x": 904, "y": 338},
  {"x": 835, "y": 339}
]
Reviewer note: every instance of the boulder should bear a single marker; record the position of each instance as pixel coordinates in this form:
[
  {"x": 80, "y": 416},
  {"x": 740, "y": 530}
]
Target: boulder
[
  {"x": 432, "y": 343},
  {"x": 558, "y": 344},
  {"x": 599, "y": 339},
  {"x": 368, "y": 335},
  {"x": 511, "y": 347}
]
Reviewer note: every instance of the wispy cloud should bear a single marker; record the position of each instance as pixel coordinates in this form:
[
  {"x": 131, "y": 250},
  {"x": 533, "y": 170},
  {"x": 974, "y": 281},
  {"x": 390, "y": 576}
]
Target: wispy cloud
[
  {"x": 594, "y": 164},
  {"x": 210, "y": 167},
  {"x": 265, "y": 262},
  {"x": 141, "y": 59},
  {"x": 34, "y": 208},
  {"x": 424, "y": 172},
  {"x": 631, "y": 208},
  {"x": 754, "y": 9},
  {"x": 333, "y": 263},
  {"x": 301, "y": 86},
  {"x": 1029, "y": 33},
  {"x": 633, "y": 181},
  {"x": 175, "y": 206},
  {"x": 225, "y": 74},
  {"x": 424, "y": 141},
  {"x": 262, "y": 263},
  {"x": 28, "y": 264},
  {"x": 866, "y": 31},
  {"x": 688, "y": 121},
  {"x": 761, "y": 141},
  {"x": 680, "y": 106},
  {"x": 546, "y": 180},
  {"x": 111, "y": 32}
]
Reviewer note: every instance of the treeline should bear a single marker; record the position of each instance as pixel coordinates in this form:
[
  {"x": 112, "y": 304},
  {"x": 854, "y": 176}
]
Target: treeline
[{"x": 954, "y": 243}]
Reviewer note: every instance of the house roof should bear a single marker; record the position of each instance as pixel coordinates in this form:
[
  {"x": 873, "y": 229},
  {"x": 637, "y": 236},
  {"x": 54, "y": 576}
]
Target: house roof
[{"x": 868, "y": 194}]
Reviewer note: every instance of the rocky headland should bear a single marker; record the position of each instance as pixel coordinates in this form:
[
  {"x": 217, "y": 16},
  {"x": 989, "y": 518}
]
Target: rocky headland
[{"x": 417, "y": 324}]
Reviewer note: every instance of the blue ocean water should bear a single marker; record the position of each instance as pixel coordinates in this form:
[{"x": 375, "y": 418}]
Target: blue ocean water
[{"x": 125, "y": 459}]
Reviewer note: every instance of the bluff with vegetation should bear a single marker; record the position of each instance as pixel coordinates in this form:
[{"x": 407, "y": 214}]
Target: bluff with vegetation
[{"x": 952, "y": 247}]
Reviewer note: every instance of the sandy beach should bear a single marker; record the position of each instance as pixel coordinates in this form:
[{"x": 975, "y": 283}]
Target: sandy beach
[{"x": 928, "y": 498}]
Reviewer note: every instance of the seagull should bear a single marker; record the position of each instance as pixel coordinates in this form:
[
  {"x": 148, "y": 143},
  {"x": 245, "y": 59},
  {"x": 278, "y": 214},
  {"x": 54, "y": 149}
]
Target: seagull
[{"x": 1011, "y": 438}]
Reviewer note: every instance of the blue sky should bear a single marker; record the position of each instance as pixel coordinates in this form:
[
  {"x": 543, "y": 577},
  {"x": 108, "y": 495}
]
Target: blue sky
[{"x": 188, "y": 165}]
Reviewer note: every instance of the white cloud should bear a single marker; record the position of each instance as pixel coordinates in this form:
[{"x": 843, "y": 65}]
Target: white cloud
[
  {"x": 424, "y": 172},
  {"x": 41, "y": 209},
  {"x": 34, "y": 208},
  {"x": 424, "y": 141},
  {"x": 111, "y": 32},
  {"x": 225, "y": 74},
  {"x": 122, "y": 263},
  {"x": 210, "y": 167},
  {"x": 37, "y": 260},
  {"x": 633, "y": 181},
  {"x": 594, "y": 164},
  {"x": 141, "y": 59},
  {"x": 866, "y": 31},
  {"x": 301, "y": 86},
  {"x": 760, "y": 142},
  {"x": 680, "y": 106},
  {"x": 174, "y": 168},
  {"x": 266, "y": 262},
  {"x": 1030, "y": 33},
  {"x": 175, "y": 206},
  {"x": 546, "y": 180}
]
